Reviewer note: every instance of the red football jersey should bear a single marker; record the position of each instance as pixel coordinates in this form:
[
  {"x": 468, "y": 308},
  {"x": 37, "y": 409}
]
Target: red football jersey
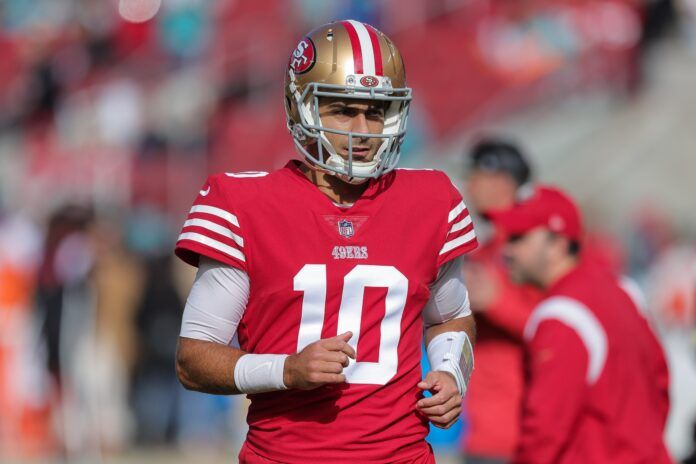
[{"x": 317, "y": 270}]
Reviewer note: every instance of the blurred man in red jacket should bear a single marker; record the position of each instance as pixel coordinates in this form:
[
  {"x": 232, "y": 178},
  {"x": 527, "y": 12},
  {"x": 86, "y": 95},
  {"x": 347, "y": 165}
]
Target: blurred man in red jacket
[
  {"x": 597, "y": 386},
  {"x": 498, "y": 175}
]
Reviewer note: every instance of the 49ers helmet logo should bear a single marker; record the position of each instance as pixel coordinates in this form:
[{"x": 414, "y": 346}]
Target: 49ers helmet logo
[
  {"x": 369, "y": 81},
  {"x": 304, "y": 56}
]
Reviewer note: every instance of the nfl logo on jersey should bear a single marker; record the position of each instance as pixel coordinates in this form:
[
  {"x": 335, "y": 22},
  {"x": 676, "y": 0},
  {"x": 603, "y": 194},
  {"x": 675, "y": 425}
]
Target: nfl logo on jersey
[{"x": 345, "y": 228}]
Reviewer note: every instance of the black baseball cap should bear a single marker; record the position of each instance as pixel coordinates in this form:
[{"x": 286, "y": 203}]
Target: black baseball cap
[{"x": 496, "y": 154}]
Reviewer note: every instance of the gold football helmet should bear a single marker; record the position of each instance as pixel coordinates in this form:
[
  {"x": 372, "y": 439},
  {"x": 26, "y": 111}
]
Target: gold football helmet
[{"x": 346, "y": 59}]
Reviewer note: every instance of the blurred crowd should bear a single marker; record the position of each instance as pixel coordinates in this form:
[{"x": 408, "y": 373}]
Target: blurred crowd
[{"x": 108, "y": 127}]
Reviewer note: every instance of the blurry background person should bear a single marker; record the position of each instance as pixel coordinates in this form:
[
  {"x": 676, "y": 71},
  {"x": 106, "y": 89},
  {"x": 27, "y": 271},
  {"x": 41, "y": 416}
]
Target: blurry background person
[
  {"x": 24, "y": 421},
  {"x": 597, "y": 386},
  {"x": 157, "y": 393},
  {"x": 118, "y": 283},
  {"x": 66, "y": 311},
  {"x": 498, "y": 174}
]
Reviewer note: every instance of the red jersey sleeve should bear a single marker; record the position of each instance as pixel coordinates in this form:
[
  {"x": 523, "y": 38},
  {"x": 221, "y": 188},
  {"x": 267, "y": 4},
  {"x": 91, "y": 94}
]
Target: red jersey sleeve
[
  {"x": 512, "y": 306},
  {"x": 212, "y": 229},
  {"x": 460, "y": 236},
  {"x": 558, "y": 363}
]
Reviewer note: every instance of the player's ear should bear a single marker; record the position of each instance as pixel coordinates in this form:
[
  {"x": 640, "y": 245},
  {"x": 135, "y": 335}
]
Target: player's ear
[{"x": 560, "y": 244}]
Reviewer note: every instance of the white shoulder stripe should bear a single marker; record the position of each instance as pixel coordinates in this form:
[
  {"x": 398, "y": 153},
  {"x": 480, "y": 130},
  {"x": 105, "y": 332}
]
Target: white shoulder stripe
[
  {"x": 212, "y": 243},
  {"x": 578, "y": 317},
  {"x": 635, "y": 293},
  {"x": 246, "y": 174},
  {"x": 452, "y": 244},
  {"x": 217, "y": 228},
  {"x": 460, "y": 225},
  {"x": 221, "y": 213},
  {"x": 368, "y": 54},
  {"x": 455, "y": 212}
]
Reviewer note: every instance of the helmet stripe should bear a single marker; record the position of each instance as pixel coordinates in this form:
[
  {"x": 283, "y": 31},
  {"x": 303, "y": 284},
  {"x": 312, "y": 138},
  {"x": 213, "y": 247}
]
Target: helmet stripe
[
  {"x": 377, "y": 50},
  {"x": 355, "y": 44},
  {"x": 367, "y": 53}
]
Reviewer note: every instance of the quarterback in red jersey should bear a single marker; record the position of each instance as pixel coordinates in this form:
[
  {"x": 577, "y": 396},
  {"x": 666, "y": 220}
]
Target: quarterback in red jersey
[{"x": 317, "y": 283}]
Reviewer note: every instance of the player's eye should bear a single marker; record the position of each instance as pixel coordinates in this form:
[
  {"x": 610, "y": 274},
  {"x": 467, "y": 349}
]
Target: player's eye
[
  {"x": 342, "y": 111},
  {"x": 375, "y": 114}
]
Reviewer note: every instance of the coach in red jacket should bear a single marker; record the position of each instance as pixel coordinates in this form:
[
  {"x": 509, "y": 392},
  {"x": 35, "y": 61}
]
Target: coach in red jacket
[{"x": 597, "y": 386}]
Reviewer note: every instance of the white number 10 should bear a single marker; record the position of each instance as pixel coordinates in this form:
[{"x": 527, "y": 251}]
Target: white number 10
[{"x": 312, "y": 281}]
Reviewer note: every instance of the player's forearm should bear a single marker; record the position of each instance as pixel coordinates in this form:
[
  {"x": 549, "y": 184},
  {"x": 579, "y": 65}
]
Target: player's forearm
[{"x": 206, "y": 366}]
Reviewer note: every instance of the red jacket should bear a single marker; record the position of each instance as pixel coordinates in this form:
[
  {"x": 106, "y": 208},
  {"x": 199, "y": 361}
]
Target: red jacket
[
  {"x": 493, "y": 399},
  {"x": 598, "y": 382}
]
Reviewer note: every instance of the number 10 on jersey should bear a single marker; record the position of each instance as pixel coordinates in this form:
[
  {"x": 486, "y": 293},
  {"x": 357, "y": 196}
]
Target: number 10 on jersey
[{"x": 312, "y": 281}]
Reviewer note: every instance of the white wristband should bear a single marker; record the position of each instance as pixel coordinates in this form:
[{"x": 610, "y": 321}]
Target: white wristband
[
  {"x": 452, "y": 352},
  {"x": 259, "y": 373}
]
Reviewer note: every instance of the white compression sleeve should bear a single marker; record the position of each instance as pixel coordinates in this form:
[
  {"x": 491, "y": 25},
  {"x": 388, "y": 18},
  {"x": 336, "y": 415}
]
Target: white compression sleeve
[
  {"x": 216, "y": 302},
  {"x": 213, "y": 310},
  {"x": 449, "y": 298}
]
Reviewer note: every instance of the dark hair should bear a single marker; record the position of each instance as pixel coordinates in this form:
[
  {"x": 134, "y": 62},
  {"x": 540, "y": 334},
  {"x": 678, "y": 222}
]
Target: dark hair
[
  {"x": 574, "y": 247},
  {"x": 500, "y": 155}
]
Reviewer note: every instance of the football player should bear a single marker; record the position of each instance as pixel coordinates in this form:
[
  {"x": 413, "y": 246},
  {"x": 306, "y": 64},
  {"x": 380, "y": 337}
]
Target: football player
[{"x": 317, "y": 283}]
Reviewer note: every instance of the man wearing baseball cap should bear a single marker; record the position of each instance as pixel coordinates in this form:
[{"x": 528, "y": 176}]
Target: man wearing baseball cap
[
  {"x": 497, "y": 174},
  {"x": 597, "y": 385}
]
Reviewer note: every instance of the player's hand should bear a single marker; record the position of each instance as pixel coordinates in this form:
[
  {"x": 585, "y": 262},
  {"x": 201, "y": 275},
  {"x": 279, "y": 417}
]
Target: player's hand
[
  {"x": 319, "y": 363},
  {"x": 444, "y": 407}
]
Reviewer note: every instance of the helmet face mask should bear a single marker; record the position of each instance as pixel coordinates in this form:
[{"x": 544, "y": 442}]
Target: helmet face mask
[{"x": 324, "y": 65}]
